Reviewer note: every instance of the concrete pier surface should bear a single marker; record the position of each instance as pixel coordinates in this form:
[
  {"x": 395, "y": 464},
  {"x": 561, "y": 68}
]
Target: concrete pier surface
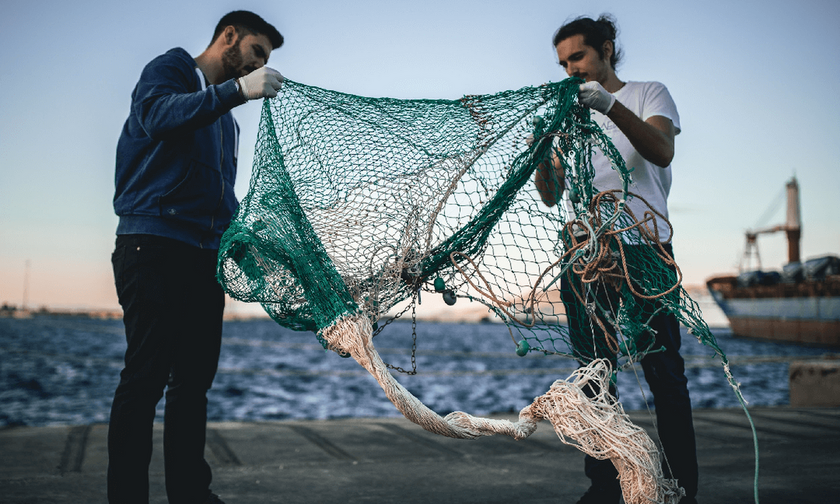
[{"x": 394, "y": 461}]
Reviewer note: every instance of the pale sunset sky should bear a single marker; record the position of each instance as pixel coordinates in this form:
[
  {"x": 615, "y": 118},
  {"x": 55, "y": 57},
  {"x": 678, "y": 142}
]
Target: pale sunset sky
[{"x": 755, "y": 83}]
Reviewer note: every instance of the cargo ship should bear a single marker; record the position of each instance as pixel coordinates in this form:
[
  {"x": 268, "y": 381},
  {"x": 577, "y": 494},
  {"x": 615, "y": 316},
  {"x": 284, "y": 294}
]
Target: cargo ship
[{"x": 799, "y": 304}]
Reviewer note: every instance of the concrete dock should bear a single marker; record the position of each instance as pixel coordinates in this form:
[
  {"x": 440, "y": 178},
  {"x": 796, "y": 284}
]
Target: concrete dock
[{"x": 393, "y": 460}]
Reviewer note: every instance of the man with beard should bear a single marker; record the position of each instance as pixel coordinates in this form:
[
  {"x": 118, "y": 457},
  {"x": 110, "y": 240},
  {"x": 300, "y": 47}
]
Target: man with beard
[{"x": 175, "y": 170}]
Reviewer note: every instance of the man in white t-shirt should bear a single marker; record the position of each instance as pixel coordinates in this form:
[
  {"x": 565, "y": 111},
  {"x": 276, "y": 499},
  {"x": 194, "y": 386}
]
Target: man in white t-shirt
[{"x": 642, "y": 121}]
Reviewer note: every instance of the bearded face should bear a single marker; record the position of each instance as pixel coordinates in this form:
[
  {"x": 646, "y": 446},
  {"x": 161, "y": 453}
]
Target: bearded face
[
  {"x": 233, "y": 62},
  {"x": 246, "y": 53}
]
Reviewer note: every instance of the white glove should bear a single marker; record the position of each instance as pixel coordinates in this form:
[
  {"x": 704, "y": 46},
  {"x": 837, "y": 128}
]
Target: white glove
[
  {"x": 593, "y": 95},
  {"x": 261, "y": 83}
]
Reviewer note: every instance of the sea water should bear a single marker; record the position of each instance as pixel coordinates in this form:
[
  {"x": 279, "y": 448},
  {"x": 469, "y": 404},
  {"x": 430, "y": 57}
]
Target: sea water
[{"x": 63, "y": 370}]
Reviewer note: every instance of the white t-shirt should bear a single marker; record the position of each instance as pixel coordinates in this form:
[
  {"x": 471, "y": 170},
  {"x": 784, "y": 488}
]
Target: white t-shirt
[{"x": 652, "y": 182}]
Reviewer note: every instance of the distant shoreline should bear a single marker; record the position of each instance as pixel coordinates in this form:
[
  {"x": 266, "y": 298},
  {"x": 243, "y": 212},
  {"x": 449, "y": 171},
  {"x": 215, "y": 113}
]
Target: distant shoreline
[
  {"x": 7, "y": 311},
  {"x": 431, "y": 313}
]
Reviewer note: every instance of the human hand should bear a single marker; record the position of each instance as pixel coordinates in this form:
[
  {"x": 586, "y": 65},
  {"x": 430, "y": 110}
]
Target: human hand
[
  {"x": 263, "y": 82},
  {"x": 593, "y": 95}
]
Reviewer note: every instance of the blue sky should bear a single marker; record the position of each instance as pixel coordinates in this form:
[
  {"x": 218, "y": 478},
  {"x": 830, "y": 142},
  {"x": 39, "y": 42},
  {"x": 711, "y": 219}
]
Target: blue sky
[{"x": 754, "y": 81}]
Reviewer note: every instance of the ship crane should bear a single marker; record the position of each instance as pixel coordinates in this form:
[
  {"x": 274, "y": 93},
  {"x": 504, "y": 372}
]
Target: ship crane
[{"x": 792, "y": 227}]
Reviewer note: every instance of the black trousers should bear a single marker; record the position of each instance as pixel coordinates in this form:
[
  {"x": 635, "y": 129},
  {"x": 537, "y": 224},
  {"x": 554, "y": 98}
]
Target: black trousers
[
  {"x": 173, "y": 308},
  {"x": 665, "y": 375}
]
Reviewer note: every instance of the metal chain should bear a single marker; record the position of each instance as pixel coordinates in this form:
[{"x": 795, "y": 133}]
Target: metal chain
[
  {"x": 387, "y": 322},
  {"x": 413, "y": 339}
]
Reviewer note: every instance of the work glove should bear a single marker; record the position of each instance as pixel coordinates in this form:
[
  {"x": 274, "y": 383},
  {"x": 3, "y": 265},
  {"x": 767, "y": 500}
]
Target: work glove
[
  {"x": 261, "y": 83},
  {"x": 593, "y": 95}
]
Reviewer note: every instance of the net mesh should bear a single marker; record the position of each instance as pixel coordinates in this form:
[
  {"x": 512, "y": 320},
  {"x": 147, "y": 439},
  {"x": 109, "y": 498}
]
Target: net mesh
[{"x": 356, "y": 204}]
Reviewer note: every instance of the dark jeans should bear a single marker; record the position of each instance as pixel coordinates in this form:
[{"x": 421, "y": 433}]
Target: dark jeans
[
  {"x": 172, "y": 307},
  {"x": 665, "y": 375}
]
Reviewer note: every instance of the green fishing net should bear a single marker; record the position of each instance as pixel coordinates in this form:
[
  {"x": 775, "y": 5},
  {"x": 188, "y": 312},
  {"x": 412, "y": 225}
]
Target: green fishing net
[{"x": 356, "y": 204}]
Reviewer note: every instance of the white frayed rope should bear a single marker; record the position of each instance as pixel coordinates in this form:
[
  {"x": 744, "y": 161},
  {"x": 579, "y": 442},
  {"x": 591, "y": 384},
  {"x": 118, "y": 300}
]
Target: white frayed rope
[{"x": 597, "y": 426}]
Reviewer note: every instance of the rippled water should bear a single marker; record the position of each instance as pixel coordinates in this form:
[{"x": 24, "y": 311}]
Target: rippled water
[{"x": 63, "y": 370}]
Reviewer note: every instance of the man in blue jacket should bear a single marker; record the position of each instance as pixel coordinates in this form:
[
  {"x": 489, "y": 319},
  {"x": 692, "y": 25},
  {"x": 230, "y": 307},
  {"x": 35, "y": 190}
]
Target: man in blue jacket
[{"x": 175, "y": 170}]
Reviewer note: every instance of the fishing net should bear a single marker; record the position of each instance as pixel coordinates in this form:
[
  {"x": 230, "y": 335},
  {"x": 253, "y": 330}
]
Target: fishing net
[{"x": 359, "y": 204}]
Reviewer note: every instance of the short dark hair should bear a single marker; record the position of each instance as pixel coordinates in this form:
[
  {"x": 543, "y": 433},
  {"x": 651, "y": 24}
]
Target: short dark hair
[
  {"x": 595, "y": 33},
  {"x": 248, "y": 22}
]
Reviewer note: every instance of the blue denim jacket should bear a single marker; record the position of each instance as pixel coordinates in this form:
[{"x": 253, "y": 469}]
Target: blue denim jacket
[{"x": 176, "y": 156}]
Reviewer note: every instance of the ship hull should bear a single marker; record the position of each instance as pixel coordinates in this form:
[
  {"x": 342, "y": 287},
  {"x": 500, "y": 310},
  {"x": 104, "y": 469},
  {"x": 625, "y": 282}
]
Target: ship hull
[
  {"x": 804, "y": 314},
  {"x": 806, "y": 332}
]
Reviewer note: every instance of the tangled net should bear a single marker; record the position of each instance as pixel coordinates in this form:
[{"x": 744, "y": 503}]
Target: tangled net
[{"x": 357, "y": 204}]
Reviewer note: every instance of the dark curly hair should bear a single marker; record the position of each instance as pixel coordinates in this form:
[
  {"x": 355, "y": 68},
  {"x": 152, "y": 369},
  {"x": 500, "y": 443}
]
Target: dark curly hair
[{"x": 595, "y": 33}]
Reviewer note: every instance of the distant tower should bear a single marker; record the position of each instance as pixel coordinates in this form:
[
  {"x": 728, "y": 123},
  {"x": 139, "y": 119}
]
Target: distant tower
[
  {"x": 793, "y": 225},
  {"x": 26, "y": 285}
]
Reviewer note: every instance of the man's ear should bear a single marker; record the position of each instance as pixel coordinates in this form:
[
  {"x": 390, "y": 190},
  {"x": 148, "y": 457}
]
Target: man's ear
[
  {"x": 229, "y": 35},
  {"x": 608, "y": 49}
]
